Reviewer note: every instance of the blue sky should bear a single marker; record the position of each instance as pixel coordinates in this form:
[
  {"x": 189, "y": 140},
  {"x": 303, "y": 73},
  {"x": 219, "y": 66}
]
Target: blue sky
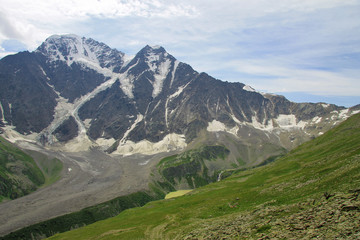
[{"x": 306, "y": 50}]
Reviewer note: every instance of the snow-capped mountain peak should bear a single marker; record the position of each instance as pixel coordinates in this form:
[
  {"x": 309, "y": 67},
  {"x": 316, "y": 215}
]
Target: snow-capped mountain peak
[
  {"x": 160, "y": 63},
  {"x": 72, "y": 48},
  {"x": 68, "y": 48},
  {"x": 155, "y": 55}
]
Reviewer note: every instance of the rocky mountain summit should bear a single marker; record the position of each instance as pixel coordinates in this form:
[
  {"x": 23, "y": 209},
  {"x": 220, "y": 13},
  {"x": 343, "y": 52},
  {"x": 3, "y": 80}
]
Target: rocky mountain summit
[{"x": 73, "y": 93}]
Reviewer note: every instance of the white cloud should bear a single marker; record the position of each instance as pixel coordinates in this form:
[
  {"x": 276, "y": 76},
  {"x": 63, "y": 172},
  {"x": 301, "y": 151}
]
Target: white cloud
[
  {"x": 274, "y": 78},
  {"x": 301, "y": 44},
  {"x": 32, "y": 21},
  {"x": 5, "y": 53}
]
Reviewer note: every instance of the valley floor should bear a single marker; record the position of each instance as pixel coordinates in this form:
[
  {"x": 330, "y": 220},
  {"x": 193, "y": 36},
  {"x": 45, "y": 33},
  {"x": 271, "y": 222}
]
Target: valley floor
[{"x": 88, "y": 178}]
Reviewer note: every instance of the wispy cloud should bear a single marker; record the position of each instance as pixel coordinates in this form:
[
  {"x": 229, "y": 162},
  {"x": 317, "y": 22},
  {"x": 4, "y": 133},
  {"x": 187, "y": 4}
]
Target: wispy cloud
[
  {"x": 31, "y": 21},
  {"x": 273, "y": 78}
]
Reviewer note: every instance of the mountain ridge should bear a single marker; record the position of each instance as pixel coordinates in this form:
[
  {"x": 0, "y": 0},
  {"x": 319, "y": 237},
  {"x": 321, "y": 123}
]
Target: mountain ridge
[{"x": 93, "y": 95}]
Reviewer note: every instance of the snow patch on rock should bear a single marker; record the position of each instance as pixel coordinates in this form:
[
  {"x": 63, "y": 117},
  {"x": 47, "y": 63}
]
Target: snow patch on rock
[
  {"x": 2, "y": 114},
  {"x": 217, "y": 126},
  {"x": 176, "y": 64},
  {"x": 289, "y": 121},
  {"x": 317, "y": 119},
  {"x": 127, "y": 82},
  {"x": 151, "y": 61},
  {"x": 87, "y": 123},
  {"x": 355, "y": 112},
  {"x": 161, "y": 73},
  {"x": 286, "y": 120},
  {"x": 144, "y": 163},
  {"x": 344, "y": 114},
  {"x": 262, "y": 126},
  {"x": 248, "y": 88},
  {"x": 13, "y": 136},
  {"x": 171, "y": 142},
  {"x": 105, "y": 143},
  {"x": 235, "y": 119},
  {"x": 139, "y": 118}
]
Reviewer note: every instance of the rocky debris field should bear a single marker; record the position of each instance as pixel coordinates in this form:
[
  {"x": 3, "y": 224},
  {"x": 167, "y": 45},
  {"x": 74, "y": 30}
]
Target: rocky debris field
[{"x": 333, "y": 216}]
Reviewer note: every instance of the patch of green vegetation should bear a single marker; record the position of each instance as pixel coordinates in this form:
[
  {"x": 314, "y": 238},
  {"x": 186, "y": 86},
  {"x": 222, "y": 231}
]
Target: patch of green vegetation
[
  {"x": 19, "y": 174},
  {"x": 167, "y": 160},
  {"x": 329, "y": 163},
  {"x": 263, "y": 228},
  {"x": 208, "y": 153},
  {"x": 234, "y": 165},
  {"x": 270, "y": 159},
  {"x": 2, "y": 198},
  {"x": 190, "y": 166},
  {"x": 159, "y": 192},
  {"x": 241, "y": 162},
  {"x": 51, "y": 167}
]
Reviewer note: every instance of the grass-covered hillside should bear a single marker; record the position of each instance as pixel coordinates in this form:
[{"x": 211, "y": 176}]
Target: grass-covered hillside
[
  {"x": 311, "y": 192},
  {"x": 19, "y": 173},
  {"x": 191, "y": 169}
]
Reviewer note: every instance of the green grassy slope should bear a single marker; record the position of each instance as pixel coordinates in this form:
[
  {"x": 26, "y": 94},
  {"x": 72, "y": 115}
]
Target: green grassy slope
[
  {"x": 19, "y": 174},
  {"x": 291, "y": 185},
  {"x": 190, "y": 169},
  {"x": 50, "y": 167}
]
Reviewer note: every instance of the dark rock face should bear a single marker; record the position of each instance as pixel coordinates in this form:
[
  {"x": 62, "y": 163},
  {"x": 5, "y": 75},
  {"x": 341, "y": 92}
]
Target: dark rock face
[
  {"x": 70, "y": 80},
  {"x": 67, "y": 130},
  {"x": 27, "y": 100},
  {"x": 111, "y": 112},
  {"x": 74, "y": 81}
]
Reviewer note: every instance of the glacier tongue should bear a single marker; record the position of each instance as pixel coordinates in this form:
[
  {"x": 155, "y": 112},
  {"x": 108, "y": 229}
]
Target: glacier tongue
[
  {"x": 64, "y": 110},
  {"x": 139, "y": 118}
]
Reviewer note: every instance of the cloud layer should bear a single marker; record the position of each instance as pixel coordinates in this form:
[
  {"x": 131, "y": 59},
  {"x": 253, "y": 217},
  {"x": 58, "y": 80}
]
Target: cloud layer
[{"x": 273, "y": 45}]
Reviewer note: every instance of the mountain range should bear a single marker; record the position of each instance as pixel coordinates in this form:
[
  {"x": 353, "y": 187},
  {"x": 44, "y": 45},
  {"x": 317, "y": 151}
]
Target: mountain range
[{"x": 73, "y": 93}]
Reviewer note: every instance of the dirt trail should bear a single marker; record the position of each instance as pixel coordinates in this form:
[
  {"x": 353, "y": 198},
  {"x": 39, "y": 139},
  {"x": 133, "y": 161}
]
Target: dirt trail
[{"x": 88, "y": 178}]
